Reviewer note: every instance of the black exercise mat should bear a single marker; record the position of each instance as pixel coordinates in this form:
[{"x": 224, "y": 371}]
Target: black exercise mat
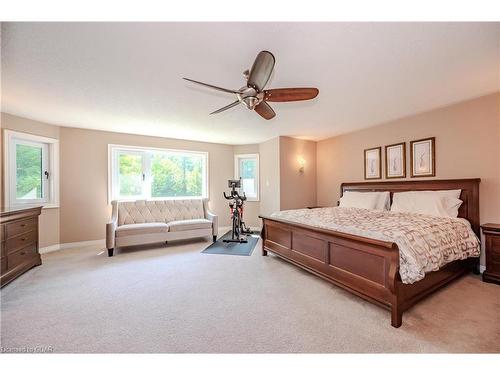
[{"x": 233, "y": 248}]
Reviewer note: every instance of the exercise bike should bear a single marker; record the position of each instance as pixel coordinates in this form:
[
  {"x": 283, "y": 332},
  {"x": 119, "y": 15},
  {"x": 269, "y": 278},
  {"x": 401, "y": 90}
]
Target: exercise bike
[{"x": 239, "y": 229}]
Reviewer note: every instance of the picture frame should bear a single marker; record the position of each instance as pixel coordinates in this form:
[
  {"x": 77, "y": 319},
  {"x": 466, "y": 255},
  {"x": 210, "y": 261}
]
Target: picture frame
[
  {"x": 423, "y": 157},
  {"x": 373, "y": 163},
  {"x": 395, "y": 160}
]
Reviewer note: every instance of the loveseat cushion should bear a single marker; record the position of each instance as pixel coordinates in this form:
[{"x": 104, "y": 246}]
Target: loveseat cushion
[
  {"x": 140, "y": 229},
  {"x": 181, "y": 225}
]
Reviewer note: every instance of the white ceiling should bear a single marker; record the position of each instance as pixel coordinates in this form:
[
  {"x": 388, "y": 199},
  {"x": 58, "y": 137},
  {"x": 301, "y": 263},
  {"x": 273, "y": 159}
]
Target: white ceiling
[{"x": 126, "y": 77}]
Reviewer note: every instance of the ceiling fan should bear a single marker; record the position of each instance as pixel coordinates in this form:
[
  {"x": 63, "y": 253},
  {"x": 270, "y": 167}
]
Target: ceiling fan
[{"x": 253, "y": 94}]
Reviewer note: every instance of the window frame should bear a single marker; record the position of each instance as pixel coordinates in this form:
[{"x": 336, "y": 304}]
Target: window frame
[
  {"x": 113, "y": 173},
  {"x": 50, "y": 163},
  {"x": 237, "y": 158}
]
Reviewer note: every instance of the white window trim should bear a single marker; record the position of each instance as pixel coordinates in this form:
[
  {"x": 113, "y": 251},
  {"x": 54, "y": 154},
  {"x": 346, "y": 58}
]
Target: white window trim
[
  {"x": 237, "y": 157},
  {"x": 53, "y": 148},
  {"x": 112, "y": 177}
]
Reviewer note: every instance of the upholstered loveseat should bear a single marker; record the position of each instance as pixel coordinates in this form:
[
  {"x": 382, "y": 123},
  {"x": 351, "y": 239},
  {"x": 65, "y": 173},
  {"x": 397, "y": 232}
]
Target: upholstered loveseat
[{"x": 148, "y": 221}]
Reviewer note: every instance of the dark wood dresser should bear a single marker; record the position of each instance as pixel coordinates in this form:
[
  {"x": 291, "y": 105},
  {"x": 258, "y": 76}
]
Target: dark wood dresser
[
  {"x": 492, "y": 247},
  {"x": 19, "y": 241}
]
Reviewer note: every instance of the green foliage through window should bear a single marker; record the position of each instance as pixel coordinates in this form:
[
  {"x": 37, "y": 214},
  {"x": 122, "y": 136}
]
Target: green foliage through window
[
  {"x": 247, "y": 168},
  {"x": 29, "y": 172},
  {"x": 163, "y": 174},
  {"x": 130, "y": 175},
  {"x": 176, "y": 175}
]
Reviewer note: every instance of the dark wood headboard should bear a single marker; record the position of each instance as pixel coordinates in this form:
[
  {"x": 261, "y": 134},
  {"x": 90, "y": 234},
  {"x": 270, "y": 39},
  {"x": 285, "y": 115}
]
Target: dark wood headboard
[{"x": 470, "y": 193}]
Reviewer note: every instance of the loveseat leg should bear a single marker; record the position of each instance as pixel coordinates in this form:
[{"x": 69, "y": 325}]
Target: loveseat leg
[
  {"x": 215, "y": 238},
  {"x": 110, "y": 252}
]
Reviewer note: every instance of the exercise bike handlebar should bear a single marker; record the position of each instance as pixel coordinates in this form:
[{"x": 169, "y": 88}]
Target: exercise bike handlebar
[{"x": 235, "y": 195}]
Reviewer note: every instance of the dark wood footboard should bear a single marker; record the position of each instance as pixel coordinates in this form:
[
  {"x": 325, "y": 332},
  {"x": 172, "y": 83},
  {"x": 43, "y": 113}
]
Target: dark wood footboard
[{"x": 366, "y": 267}]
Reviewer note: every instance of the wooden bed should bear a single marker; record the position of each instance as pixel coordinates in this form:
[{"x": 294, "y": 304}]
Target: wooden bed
[{"x": 368, "y": 267}]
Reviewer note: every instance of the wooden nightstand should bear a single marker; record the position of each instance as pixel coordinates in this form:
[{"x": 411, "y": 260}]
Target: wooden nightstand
[{"x": 492, "y": 246}]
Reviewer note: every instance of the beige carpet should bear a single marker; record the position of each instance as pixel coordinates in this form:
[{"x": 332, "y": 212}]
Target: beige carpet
[{"x": 175, "y": 299}]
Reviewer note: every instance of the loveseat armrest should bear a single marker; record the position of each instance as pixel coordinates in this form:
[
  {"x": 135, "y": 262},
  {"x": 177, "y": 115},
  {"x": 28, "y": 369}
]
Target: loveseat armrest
[
  {"x": 215, "y": 221},
  {"x": 111, "y": 226}
]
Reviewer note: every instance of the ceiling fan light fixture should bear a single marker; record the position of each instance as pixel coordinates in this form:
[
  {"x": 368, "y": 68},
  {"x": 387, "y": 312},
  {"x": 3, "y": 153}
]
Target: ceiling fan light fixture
[
  {"x": 251, "y": 102},
  {"x": 253, "y": 94}
]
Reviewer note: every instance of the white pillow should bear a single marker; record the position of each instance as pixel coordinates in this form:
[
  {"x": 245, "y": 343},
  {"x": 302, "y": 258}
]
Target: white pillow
[
  {"x": 367, "y": 200},
  {"x": 447, "y": 193},
  {"x": 384, "y": 200},
  {"x": 437, "y": 203}
]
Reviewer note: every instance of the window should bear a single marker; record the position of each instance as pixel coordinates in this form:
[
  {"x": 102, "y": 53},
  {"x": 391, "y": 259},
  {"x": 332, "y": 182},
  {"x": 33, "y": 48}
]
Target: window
[
  {"x": 31, "y": 165},
  {"x": 141, "y": 173},
  {"x": 246, "y": 167}
]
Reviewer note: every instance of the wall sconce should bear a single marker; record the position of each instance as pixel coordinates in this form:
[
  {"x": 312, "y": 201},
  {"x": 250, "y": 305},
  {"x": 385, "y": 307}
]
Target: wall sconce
[{"x": 302, "y": 164}]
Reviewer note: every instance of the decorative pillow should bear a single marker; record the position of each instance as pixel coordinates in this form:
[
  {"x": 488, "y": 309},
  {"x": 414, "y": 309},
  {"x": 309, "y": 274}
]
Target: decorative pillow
[
  {"x": 384, "y": 202},
  {"x": 367, "y": 200},
  {"x": 437, "y": 203}
]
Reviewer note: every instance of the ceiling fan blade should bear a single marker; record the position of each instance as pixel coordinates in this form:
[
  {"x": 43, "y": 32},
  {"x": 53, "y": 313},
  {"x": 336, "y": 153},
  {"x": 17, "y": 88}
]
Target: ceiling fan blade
[
  {"x": 265, "y": 110},
  {"x": 290, "y": 94},
  {"x": 226, "y": 107},
  {"x": 261, "y": 70},
  {"x": 212, "y": 86}
]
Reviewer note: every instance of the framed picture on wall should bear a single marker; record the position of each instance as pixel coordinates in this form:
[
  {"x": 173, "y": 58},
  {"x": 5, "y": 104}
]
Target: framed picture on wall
[
  {"x": 423, "y": 157},
  {"x": 373, "y": 163},
  {"x": 395, "y": 160}
]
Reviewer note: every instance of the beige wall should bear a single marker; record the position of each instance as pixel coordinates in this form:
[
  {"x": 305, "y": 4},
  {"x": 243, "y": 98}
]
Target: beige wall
[
  {"x": 84, "y": 171},
  {"x": 269, "y": 176},
  {"x": 49, "y": 219},
  {"x": 297, "y": 190},
  {"x": 467, "y": 145},
  {"x": 84, "y": 207}
]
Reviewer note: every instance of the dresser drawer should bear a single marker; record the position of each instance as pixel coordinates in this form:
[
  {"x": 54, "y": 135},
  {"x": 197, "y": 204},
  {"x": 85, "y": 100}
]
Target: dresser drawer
[
  {"x": 25, "y": 239},
  {"x": 19, "y": 232},
  {"x": 24, "y": 255},
  {"x": 20, "y": 226}
]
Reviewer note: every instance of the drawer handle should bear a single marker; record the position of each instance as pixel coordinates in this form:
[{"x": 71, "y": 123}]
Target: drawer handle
[
  {"x": 23, "y": 225},
  {"x": 22, "y": 253},
  {"x": 23, "y": 239}
]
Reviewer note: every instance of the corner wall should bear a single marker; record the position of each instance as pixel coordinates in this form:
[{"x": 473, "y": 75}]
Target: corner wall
[{"x": 269, "y": 176}]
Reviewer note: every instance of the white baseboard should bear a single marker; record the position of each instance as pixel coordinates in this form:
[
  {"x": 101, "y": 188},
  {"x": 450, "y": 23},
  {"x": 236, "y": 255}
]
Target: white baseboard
[
  {"x": 71, "y": 245},
  {"x": 49, "y": 249}
]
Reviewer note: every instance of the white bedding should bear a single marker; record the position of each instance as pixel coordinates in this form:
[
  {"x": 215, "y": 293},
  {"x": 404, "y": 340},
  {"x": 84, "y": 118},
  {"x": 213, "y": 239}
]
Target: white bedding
[{"x": 426, "y": 243}]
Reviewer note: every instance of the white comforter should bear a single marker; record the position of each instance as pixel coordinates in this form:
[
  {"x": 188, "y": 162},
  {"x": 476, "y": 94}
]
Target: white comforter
[{"x": 425, "y": 242}]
